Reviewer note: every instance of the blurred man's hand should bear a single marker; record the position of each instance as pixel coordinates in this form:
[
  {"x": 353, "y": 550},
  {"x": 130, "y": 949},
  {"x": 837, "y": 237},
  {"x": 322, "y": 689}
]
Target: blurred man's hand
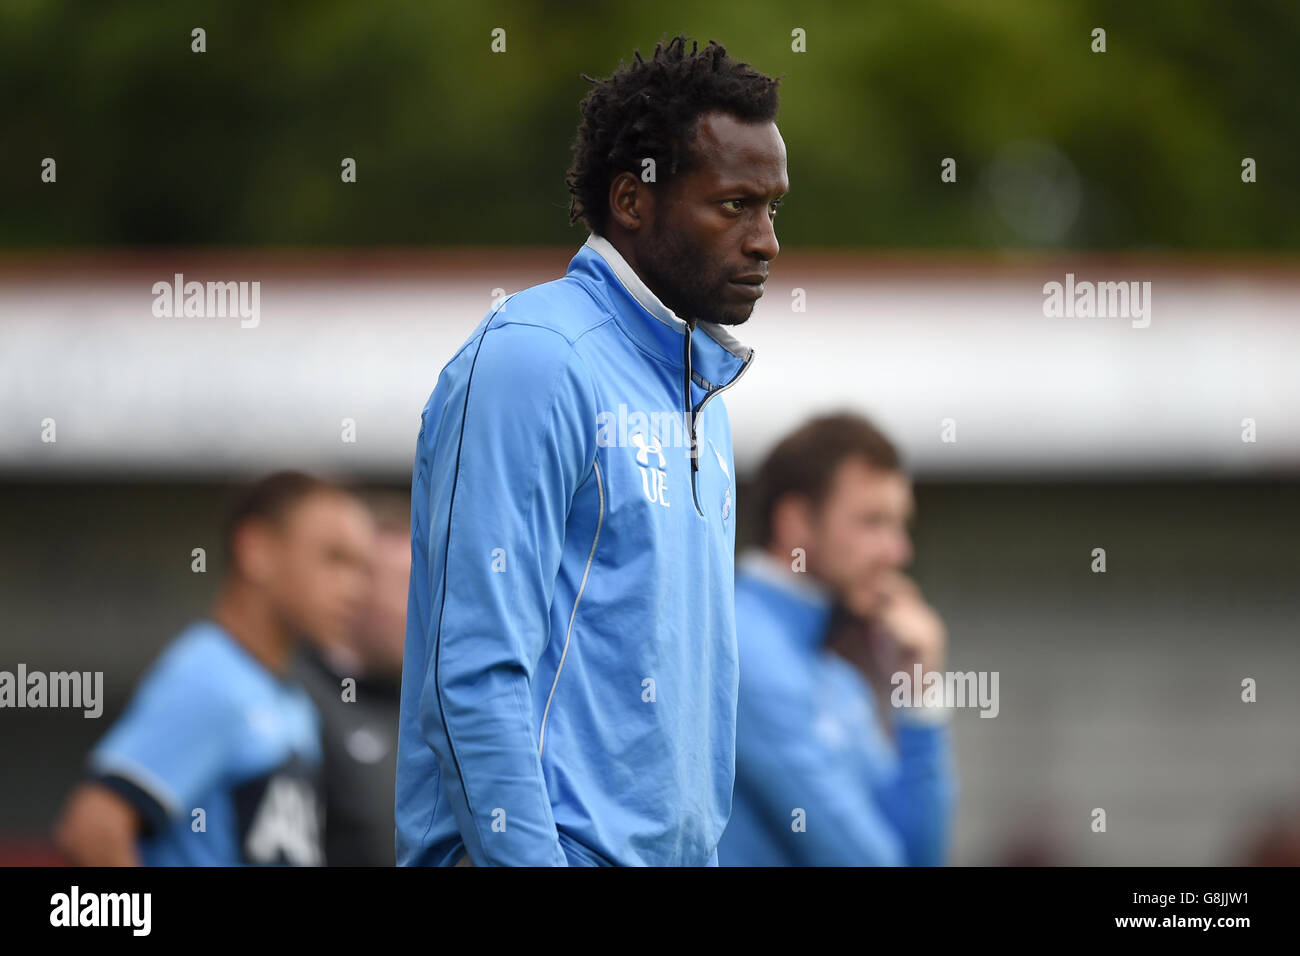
[
  {"x": 98, "y": 828},
  {"x": 916, "y": 630}
]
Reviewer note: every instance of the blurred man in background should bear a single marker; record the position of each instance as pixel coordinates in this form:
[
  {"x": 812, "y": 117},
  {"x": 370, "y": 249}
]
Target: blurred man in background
[
  {"x": 819, "y": 781},
  {"x": 356, "y": 684},
  {"x": 216, "y": 759}
]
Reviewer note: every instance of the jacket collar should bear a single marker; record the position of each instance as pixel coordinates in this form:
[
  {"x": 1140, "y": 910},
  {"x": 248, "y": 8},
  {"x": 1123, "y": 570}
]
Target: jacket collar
[
  {"x": 716, "y": 357},
  {"x": 798, "y": 600}
]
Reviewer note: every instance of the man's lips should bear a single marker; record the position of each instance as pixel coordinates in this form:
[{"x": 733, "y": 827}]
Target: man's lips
[{"x": 750, "y": 285}]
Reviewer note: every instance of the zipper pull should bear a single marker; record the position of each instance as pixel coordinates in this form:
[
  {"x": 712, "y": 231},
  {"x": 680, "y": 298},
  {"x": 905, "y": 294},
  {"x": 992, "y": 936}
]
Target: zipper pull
[{"x": 690, "y": 415}]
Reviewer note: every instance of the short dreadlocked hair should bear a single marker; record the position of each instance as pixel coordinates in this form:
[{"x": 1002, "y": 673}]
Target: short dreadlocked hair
[{"x": 648, "y": 109}]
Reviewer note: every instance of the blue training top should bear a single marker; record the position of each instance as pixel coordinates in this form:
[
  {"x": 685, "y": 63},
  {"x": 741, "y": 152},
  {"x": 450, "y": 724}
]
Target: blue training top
[{"x": 220, "y": 758}]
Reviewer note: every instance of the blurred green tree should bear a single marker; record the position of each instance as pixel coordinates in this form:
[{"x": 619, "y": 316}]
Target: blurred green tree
[{"x": 1056, "y": 146}]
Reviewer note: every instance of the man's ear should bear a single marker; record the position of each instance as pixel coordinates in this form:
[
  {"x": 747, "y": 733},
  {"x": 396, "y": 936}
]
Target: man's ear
[
  {"x": 253, "y": 544},
  {"x": 631, "y": 202},
  {"x": 792, "y": 521}
]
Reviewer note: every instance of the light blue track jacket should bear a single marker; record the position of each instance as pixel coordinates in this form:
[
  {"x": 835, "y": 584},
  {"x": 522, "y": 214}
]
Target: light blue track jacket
[
  {"x": 570, "y": 679},
  {"x": 818, "y": 781}
]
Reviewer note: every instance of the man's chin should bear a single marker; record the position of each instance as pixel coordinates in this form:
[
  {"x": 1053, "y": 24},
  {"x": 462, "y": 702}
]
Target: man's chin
[
  {"x": 864, "y": 604},
  {"x": 731, "y": 318}
]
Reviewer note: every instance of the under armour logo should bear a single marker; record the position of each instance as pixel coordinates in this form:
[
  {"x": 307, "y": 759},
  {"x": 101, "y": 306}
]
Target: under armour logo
[
  {"x": 654, "y": 481},
  {"x": 644, "y": 450}
]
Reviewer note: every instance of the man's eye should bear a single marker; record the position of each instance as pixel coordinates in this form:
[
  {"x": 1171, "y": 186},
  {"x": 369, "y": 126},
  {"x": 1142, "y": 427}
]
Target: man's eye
[{"x": 740, "y": 203}]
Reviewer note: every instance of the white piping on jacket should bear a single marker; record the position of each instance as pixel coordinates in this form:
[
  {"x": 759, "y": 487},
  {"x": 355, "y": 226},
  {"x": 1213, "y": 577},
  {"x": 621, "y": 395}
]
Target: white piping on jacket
[{"x": 600, "y": 486}]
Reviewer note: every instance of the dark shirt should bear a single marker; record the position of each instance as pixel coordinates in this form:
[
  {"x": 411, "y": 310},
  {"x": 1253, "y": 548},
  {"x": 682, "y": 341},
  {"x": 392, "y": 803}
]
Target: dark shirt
[{"x": 359, "y": 741}]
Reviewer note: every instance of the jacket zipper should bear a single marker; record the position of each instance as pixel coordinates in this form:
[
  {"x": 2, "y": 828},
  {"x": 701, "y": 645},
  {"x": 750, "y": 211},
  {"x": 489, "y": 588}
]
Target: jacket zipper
[
  {"x": 693, "y": 413},
  {"x": 690, "y": 425}
]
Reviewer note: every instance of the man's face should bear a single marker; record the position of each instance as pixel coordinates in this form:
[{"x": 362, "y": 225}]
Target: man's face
[
  {"x": 382, "y": 633},
  {"x": 714, "y": 224},
  {"x": 859, "y": 535},
  {"x": 319, "y": 576}
]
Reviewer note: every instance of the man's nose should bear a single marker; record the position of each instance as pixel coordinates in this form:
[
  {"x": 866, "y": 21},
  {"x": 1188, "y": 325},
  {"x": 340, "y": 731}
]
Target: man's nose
[
  {"x": 902, "y": 551},
  {"x": 762, "y": 242}
]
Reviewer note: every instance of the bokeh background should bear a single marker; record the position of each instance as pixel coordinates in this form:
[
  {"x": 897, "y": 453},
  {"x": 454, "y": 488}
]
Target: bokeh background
[{"x": 924, "y": 303}]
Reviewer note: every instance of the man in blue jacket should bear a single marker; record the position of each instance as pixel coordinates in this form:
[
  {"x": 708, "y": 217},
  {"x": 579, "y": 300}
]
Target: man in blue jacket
[
  {"x": 824, "y": 617},
  {"x": 570, "y": 675}
]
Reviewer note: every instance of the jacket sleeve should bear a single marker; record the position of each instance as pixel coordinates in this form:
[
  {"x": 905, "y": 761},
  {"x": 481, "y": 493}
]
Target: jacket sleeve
[
  {"x": 514, "y": 443},
  {"x": 920, "y": 801},
  {"x": 171, "y": 745}
]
